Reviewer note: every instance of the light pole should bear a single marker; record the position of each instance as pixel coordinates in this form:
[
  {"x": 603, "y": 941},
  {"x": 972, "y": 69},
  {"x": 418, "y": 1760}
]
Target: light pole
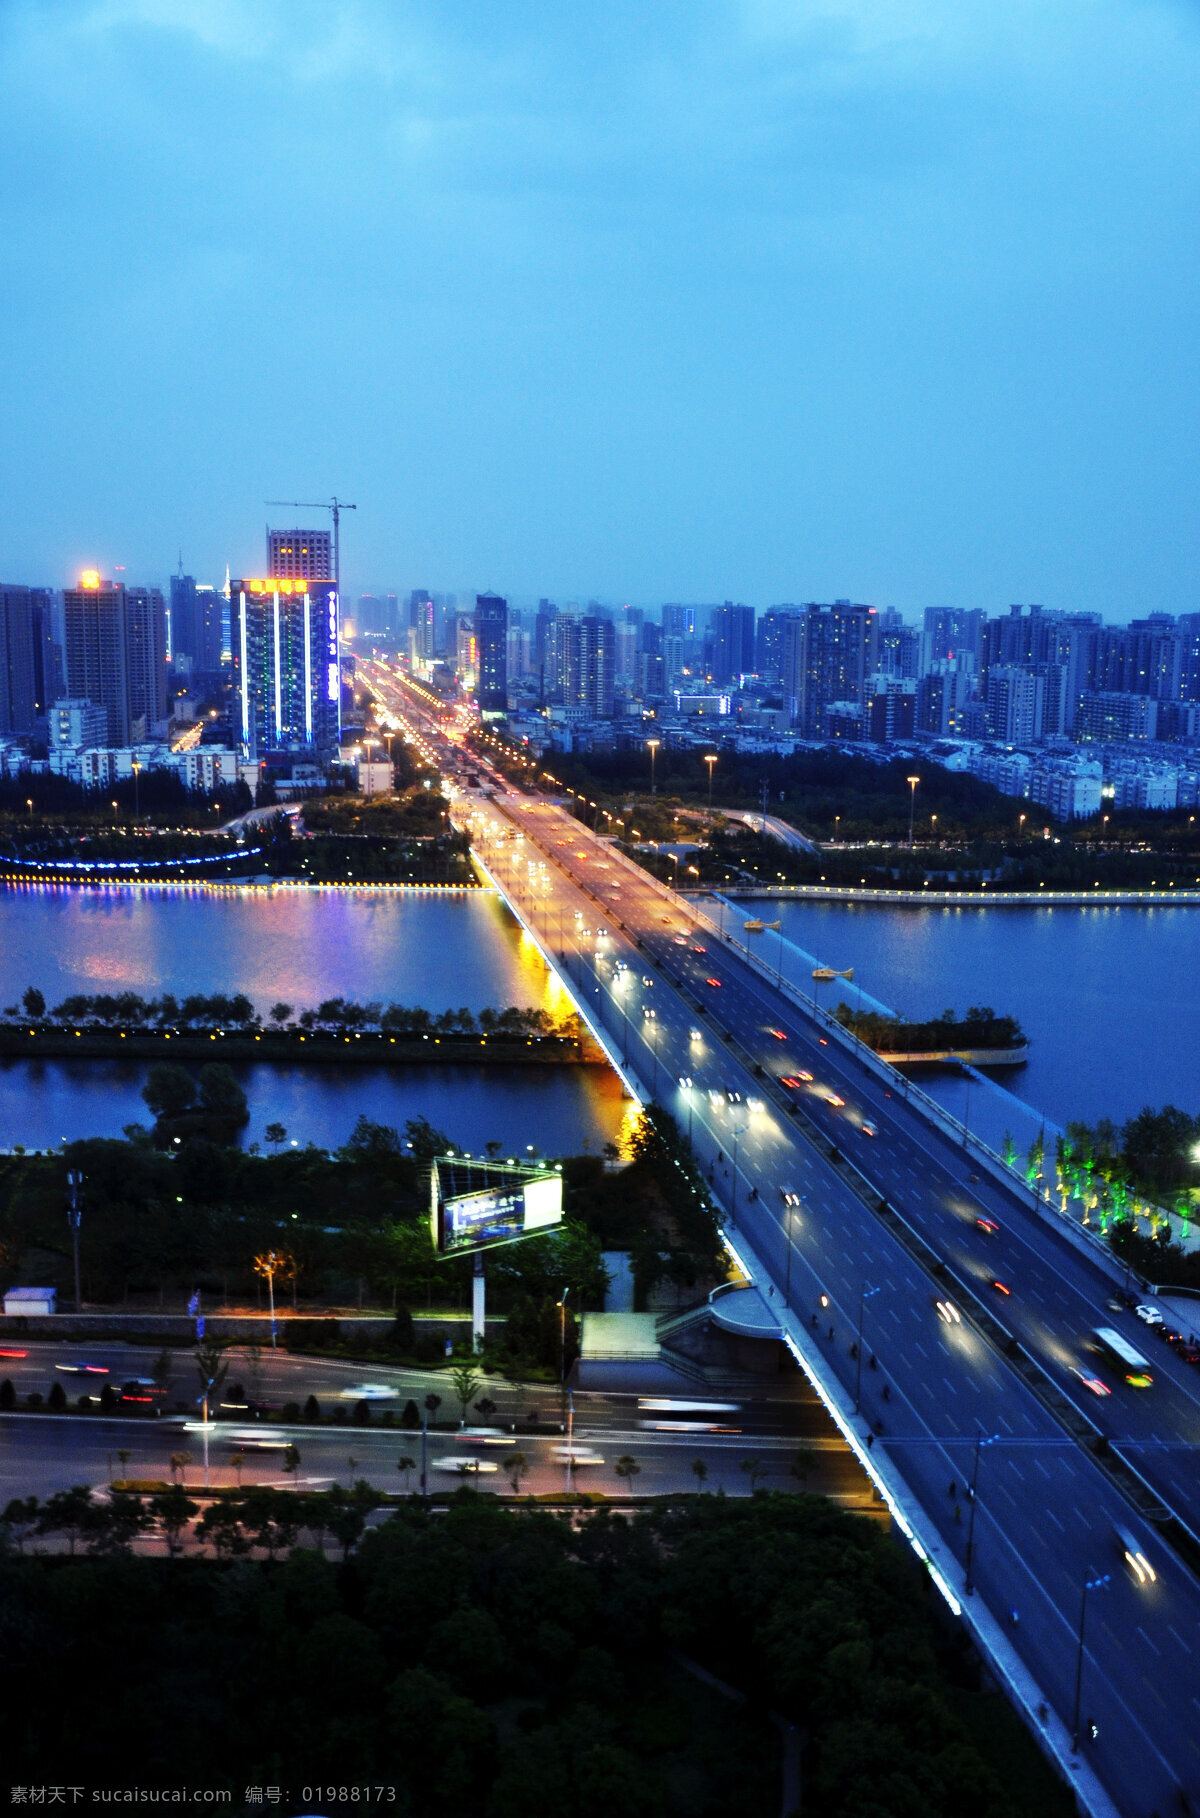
[
  {"x": 969, "y": 1582},
  {"x": 674, "y": 858},
  {"x": 1089, "y": 1584},
  {"x": 912, "y": 782},
  {"x": 653, "y": 745},
  {"x": 562, "y": 1346},
  {"x": 74, "y": 1215},
  {"x": 710, "y": 759},
  {"x": 739, "y": 1132},
  {"x": 789, "y": 1243},
  {"x": 863, "y": 1298}
]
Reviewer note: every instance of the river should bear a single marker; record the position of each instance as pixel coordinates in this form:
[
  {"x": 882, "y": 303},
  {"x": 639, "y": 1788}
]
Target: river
[
  {"x": 1110, "y": 999},
  {"x": 1108, "y": 996},
  {"x": 442, "y": 950}
]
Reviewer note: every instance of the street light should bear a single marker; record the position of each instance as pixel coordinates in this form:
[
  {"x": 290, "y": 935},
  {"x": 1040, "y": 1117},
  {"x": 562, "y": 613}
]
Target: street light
[
  {"x": 710, "y": 759},
  {"x": 863, "y": 1298},
  {"x": 654, "y": 745},
  {"x": 739, "y": 1132},
  {"x": 1089, "y": 1584},
  {"x": 912, "y": 782},
  {"x": 980, "y": 1442}
]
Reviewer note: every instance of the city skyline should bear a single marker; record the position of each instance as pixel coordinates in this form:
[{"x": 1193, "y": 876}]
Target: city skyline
[{"x": 636, "y": 304}]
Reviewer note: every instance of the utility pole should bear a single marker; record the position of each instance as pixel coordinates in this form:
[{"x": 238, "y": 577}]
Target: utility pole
[{"x": 74, "y": 1215}]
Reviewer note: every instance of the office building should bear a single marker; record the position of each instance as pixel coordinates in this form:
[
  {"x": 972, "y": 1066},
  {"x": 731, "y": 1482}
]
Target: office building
[
  {"x": 491, "y": 636},
  {"x": 115, "y": 653},
  {"x": 300, "y": 555},
  {"x": 286, "y": 670},
  {"x": 18, "y": 683}
]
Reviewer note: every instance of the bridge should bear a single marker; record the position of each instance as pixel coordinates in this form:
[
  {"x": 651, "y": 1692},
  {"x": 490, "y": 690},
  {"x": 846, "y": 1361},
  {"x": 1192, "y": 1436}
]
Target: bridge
[{"x": 941, "y": 1309}]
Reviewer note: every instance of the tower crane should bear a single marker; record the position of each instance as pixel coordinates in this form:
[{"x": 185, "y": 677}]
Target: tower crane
[{"x": 334, "y": 505}]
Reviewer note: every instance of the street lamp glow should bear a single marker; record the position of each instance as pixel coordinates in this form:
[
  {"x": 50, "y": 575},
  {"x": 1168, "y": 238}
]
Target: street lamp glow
[{"x": 912, "y": 782}]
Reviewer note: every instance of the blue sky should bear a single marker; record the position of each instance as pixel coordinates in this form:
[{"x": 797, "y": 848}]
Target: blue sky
[{"x": 771, "y": 300}]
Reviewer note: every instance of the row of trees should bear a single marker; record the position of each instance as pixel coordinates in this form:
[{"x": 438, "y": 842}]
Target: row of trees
[
  {"x": 222, "y": 1010},
  {"x": 979, "y": 1028},
  {"x": 517, "y": 1664}
]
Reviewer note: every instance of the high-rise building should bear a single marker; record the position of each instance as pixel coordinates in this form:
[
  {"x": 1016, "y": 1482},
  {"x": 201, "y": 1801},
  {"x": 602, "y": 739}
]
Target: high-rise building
[
  {"x": 951, "y": 634},
  {"x": 1016, "y": 703},
  {"x": 491, "y": 632},
  {"x": 300, "y": 555},
  {"x": 286, "y": 669},
  {"x": 421, "y": 636},
  {"x": 829, "y": 653},
  {"x": 114, "y": 653},
  {"x": 733, "y": 642},
  {"x": 679, "y": 622},
  {"x": 18, "y": 684},
  {"x": 587, "y": 654},
  {"x": 768, "y": 645}
]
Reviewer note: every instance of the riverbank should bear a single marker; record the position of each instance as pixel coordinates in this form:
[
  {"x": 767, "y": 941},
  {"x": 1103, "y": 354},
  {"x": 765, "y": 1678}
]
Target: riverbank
[
  {"x": 367, "y": 1047},
  {"x": 989, "y": 899}
]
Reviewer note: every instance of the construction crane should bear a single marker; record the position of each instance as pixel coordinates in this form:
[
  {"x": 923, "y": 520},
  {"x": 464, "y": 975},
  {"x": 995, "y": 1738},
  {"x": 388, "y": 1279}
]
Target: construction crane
[{"x": 336, "y": 506}]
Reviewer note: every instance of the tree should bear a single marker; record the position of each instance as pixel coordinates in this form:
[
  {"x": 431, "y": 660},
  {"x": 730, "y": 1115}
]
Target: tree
[
  {"x": 67, "y": 1512},
  {"x": 466, "y": 1379},
  {"x": 173, "y": 1509},
  {"x": 699, "y": 1471},
  {"x": 312, "y": 1411},
  {"x": 291, "y": 1461},
  {"x": 220, "y": 1094},
  {"x": 123, "y": 1457},
  {"x": 516, "y": 1466},
  {"x": 34, "y": 1003},
  {"x": 20, "y": 1519},
  {"x": 169, "y": 1090},
  {"x": 485, "y": 1407},
  {"x": 179, "y": 1464},
  {"x": 56, "y": 1401},
  {"x": 627, "y": 1468},
  {"x": 803, "y": 1464},
  {"x": 237, "y": 1460},
  {"x": 209, "y": 1367},
  {"x": 161, "y": 1371},
  {"x": 755, "y": 1469},
  {"x": 276, "y": 1135},
  {"x": 406, "y": 1466},
  {"x": 281, "y": 1013},
  {"x": 8, "y": 1395}
]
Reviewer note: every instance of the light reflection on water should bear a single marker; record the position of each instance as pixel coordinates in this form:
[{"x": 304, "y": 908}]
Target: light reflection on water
[{"x": 301, "y": 946}]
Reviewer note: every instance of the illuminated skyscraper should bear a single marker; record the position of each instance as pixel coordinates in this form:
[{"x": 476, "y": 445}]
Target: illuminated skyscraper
[
  {"x": 287, "y": 681},
  {"x": 491, "y": 637},
  {"x": 115, "y": 653}
]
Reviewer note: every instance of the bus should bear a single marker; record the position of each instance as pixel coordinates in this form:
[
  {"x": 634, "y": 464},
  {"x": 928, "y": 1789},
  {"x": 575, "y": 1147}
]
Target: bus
[
  {"x": 1120, "y": 1353},
  {"x": 667, "y": 1414}
]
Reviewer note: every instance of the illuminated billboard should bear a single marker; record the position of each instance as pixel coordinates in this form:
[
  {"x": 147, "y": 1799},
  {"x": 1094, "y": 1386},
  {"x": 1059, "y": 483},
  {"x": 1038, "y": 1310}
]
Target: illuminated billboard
[{"x": 501, "y": 1213}]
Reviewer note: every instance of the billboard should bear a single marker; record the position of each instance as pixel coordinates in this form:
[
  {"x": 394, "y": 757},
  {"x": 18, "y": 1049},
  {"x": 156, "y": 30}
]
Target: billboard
[{"x": 499, "y": 1214}]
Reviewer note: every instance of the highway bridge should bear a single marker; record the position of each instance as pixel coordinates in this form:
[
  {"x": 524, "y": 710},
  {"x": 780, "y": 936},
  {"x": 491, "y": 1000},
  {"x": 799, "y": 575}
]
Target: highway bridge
[{"x": 942, "y": 1311}]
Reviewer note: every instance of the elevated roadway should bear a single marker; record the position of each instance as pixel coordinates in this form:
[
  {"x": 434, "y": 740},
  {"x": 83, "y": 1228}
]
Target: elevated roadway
[{"x": 857, "y": 1212}]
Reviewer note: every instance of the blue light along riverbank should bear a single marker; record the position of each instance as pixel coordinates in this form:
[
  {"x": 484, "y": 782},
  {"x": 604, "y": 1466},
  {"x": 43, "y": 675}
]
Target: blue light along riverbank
[{"x": 300, "y": 946}]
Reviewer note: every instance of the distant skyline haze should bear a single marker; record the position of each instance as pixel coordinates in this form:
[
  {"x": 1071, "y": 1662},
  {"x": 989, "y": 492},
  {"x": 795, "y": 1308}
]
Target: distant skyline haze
[{"x": 762, "y": 300}]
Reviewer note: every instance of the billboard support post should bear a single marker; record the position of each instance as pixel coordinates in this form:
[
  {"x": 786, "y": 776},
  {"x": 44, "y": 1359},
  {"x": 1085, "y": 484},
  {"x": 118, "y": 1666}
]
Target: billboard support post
[{"x": 478, "y": 1304}]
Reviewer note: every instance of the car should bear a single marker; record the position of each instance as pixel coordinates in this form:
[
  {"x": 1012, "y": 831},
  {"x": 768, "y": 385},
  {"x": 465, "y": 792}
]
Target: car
[
  {"x": 1135, "y": 1557},
  {"x": 651, "y": 1015},
  {"x": 948, "y": 1313},
  {"x": 1189, "y": 1352},
  {"x": 369, "y": 1391},
  {"x": 574, "y": 1457},
  {"x": 868, "y": 1129},
  {"x": 754, "y": 1104},
  {"x": 696, "y": 949},
  {"x": 7, "y": 1351},
  {"x": 778, "y": 1034},
  {"x": 1149, "y": 1316},
  {"x": 82, "y": 1369},
  {"x": 714, "y": 982},
  {"x": 695, "y": 1035},
  {"x": 681, "y": 940},
  {"x": 467, "y": 1467},
  {"x": 796, "y": 1080},
  {"x": 485, "y": 1436},
  {"x": 839, "y": 1104},
  {"x": 647, "y": 981},
  {"x": 732, "y": 1096},
  {"x": 685, "y": 1080},
  {"x": 1000, "y": 1288},
  {"x": 1093, "y": 1383},
  {"x": 790, "y": 1196},
  {"x": 988, "y": 1226}
]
